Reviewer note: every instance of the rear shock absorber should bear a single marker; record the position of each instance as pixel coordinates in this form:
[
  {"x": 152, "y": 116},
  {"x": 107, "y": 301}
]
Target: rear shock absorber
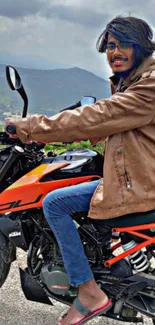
[{"x": 138, "y": 260}]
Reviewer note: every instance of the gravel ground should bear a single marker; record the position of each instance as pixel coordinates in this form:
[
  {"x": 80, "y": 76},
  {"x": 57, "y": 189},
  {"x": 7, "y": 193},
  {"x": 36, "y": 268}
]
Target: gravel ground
[{"x": 15, "y": 309}]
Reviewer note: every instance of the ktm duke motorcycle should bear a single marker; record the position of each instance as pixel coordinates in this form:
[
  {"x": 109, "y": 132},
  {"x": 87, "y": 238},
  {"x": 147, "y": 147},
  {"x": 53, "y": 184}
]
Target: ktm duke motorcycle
[{"x": 26, "y": 176}]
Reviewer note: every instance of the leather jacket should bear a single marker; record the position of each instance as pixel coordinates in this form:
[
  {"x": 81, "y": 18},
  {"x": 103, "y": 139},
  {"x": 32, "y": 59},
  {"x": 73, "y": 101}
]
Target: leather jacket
[{"x": 127, "y": 121}]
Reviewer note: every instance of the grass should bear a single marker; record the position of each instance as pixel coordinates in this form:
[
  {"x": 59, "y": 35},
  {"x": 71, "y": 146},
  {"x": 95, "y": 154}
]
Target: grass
[{"x": 58, "y": 148}]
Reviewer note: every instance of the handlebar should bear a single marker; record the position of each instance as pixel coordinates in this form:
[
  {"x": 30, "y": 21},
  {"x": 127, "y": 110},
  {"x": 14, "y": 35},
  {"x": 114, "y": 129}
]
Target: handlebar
[
  {"x": 78, "y": 104},
  {"x": 11, "y": 129}
]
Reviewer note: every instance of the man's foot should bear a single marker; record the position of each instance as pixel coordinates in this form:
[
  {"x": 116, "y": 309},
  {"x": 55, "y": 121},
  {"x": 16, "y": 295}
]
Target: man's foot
[{"x": 91, "y": 296}]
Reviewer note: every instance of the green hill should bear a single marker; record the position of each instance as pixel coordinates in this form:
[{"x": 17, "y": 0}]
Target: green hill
[{"x": 51, "y": 90}]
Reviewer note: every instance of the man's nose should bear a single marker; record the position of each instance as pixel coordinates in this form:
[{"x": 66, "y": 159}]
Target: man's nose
[{"x": 117, "y": 51}]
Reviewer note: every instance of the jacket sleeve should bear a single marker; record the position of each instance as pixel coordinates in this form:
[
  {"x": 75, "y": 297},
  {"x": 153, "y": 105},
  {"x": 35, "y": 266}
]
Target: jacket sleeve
[{"x": 121, "y": 112}]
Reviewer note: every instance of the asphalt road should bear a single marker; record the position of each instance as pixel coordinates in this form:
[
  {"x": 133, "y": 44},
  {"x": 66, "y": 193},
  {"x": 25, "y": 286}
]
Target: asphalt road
[{"x": 15, "y": 309}]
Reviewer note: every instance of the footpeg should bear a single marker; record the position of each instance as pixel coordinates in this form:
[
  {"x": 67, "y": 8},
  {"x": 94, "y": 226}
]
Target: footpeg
[{"x": 131, "y": 290}]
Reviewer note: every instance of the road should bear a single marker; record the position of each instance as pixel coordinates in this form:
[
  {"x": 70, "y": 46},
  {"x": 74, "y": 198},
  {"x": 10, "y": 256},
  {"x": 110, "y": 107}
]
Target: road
[{"x": 15, "y": 309}]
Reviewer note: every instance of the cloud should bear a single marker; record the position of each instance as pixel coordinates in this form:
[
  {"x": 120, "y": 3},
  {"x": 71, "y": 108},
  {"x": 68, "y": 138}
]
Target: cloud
[
  {"x": 98, "y": 13},
  {"x": 76, "y": 14},
  {"x": 64, "y": 31},
  {"x": 81, "y": 12},
  {"x": 20, "y": 8},
  {"x": 66, "y": 11}
]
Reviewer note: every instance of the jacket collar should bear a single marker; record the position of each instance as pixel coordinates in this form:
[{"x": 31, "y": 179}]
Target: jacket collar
[{"x": 147, "y": 65}]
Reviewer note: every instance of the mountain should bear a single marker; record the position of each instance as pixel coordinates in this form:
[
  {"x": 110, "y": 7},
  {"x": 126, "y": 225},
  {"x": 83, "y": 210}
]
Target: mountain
[
  {"x": 30, "y": 62},
  {"x": 51, "y": 90},
  {"x": 39, "y": 62}
]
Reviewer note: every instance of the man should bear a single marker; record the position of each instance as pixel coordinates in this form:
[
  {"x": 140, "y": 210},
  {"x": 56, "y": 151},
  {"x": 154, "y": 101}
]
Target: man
[{"x": 127, "y": 121}]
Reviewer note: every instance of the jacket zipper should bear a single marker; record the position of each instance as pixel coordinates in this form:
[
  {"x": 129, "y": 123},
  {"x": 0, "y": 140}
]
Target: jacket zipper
[{"x": 127, "y": 180}]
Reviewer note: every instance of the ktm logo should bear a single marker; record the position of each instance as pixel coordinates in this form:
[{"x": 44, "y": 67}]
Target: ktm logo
[{"x": 17, "y": 204}]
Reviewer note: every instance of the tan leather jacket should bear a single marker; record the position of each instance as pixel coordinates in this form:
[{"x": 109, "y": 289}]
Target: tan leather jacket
[{"x": 127, "y": 119}]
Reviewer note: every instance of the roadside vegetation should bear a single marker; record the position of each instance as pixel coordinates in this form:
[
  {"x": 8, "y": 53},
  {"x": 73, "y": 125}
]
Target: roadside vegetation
[{"x": 58, "y": 148}]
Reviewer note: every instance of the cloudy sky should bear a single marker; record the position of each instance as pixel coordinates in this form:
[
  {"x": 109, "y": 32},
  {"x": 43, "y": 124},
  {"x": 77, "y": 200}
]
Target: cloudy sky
[{"x": 64, "y": 31}]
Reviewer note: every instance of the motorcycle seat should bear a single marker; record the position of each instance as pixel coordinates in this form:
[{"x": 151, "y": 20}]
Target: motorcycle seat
[{"x": 132, "y": 219}]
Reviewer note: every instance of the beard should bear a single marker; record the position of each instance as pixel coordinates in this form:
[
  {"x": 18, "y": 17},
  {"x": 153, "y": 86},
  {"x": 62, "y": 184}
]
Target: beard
[{"x": 123, "y": 74}]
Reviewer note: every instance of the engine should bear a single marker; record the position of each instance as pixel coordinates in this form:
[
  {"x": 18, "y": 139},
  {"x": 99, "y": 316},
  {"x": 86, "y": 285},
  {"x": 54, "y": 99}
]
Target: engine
[
  {"x": 56, "y": 280},
  {"x": 45, "y": 262}
]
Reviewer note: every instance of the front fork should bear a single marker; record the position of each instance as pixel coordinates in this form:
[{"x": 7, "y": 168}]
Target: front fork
[{"x": 11, "y": 236}]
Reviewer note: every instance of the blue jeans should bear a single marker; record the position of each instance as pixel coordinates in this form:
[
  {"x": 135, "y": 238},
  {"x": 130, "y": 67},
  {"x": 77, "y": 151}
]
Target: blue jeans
[{"x": 57, "y": 206}]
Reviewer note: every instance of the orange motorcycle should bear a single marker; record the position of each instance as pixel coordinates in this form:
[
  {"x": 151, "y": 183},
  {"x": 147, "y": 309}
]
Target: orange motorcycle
[{"x": 27, "y": 174}]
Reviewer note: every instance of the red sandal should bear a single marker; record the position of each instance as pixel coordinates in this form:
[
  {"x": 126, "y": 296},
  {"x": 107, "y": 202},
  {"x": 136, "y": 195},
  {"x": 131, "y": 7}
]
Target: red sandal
[{"x": 87, "y": 313}]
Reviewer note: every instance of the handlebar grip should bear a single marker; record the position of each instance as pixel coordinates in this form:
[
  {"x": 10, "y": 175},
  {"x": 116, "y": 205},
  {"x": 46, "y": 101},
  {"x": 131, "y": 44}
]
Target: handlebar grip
[{"x": 11, "y": 129}]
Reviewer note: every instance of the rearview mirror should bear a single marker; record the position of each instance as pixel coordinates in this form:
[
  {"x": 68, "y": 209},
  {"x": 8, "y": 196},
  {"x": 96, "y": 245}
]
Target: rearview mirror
[
  {"x": 15, "y": 83},
  {"x": 87, "y": 100},
  {"x": 13, "y": 78}
]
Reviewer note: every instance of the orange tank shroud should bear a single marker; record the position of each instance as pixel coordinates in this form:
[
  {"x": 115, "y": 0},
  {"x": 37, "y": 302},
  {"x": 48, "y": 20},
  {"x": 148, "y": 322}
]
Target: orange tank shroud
[{"x": 28, "y": 192}]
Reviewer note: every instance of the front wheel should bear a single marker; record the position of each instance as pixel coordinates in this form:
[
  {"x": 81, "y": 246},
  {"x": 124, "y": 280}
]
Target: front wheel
[
  {"x": 4, "y": 270},
  {"x": 7, "y": 255}
]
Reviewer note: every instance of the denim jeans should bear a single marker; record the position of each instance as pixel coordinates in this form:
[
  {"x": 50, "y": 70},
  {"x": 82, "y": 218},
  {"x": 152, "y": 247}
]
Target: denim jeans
[{"x": 57, "y": 206}]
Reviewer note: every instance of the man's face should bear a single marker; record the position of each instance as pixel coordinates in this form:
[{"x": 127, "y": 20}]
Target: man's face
[{"x": 120, "y": 59}]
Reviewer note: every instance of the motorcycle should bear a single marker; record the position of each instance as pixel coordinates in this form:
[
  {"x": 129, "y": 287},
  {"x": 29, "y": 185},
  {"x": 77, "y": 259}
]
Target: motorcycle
[{"x": 27, "y": 174}]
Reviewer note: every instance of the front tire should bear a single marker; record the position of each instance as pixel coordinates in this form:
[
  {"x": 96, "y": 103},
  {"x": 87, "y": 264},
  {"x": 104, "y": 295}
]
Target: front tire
[
  {"x": 7, "y": 256},
  {"x": 4, "y": 270}
]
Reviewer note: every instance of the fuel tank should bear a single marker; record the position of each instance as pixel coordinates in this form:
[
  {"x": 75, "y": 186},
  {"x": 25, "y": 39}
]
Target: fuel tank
[
  {"x": 68, "y": 169},
  {"x": 82, "y": 162}
]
